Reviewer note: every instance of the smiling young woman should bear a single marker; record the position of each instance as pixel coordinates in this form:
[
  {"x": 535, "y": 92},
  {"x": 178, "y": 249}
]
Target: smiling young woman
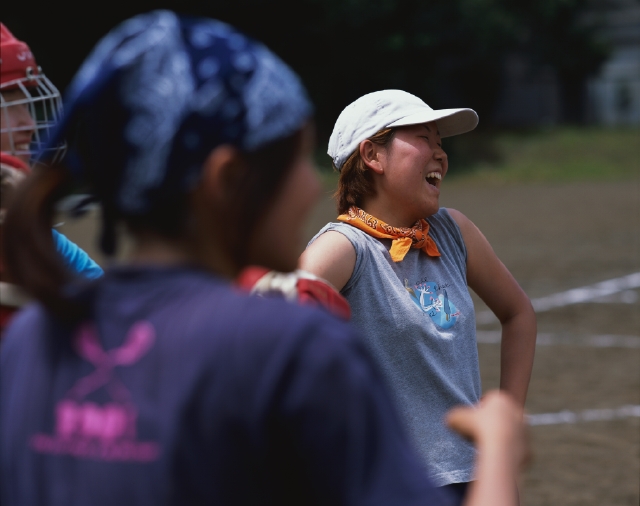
[
  {"x": 405, "y": 266},
  {"x": 409, "y": 170}
]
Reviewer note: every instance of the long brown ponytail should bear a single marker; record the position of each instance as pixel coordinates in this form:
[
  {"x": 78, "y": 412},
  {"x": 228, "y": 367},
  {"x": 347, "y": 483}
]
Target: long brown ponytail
[{"x": 28, "y": 251}]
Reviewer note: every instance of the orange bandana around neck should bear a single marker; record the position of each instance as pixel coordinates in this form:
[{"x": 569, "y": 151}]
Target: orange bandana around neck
[{"x": 404, "y": 238}]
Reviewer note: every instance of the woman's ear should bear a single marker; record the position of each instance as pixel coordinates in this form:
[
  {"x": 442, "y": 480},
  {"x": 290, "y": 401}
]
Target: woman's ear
[
  {"x": 370, "y": 154},
  {"x": 222, "y": 174}
]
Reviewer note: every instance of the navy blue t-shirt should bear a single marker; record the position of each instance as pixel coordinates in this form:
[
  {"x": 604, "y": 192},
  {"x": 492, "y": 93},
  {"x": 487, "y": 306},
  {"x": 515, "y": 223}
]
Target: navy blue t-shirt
[{"x": 179, "y": 390}]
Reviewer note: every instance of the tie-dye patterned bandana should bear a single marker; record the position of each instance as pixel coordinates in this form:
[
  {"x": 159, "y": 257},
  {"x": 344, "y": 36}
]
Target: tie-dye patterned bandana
[
  {"x": 159, "y": 92},
  {"x": 403, "y": 238}
]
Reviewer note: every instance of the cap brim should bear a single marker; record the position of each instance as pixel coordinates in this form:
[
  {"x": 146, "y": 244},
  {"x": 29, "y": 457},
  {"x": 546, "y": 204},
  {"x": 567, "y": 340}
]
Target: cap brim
[{"x": 450, "y": 121}]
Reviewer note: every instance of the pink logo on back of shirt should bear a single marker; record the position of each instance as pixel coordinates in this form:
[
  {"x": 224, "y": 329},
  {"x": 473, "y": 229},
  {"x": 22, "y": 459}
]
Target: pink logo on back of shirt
[{"x": 103, "y": 432}]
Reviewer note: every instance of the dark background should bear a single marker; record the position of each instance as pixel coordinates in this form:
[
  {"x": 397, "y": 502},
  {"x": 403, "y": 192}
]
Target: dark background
[
  {"x": 552, "y": 237},
  {"x": 451, "y": 53}
]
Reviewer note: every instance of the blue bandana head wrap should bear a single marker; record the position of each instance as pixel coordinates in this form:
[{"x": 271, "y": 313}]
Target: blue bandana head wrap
[{"x": 159, "y": 92}]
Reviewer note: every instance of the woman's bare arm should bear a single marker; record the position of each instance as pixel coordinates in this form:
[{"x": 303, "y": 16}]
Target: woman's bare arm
[
  {"x": 331, "y": 257},
  {"x": 494, "y": 284}
]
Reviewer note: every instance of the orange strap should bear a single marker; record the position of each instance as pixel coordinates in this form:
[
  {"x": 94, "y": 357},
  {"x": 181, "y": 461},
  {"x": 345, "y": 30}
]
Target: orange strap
[{"x": 404, "y": 238}]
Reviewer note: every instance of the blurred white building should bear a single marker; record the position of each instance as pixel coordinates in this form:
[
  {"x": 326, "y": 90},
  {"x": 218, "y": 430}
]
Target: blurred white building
[
  {"x": 531, "y": 93},
  {"x": 614, "y": 95}
]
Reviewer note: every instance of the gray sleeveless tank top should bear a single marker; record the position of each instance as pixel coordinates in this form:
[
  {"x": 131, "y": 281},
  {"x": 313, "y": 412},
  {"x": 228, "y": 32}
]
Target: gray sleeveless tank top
[{"x": 417, "y": 319}]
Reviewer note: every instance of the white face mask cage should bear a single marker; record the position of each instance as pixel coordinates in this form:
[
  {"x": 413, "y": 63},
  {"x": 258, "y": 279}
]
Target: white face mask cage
[{"x": 44, "y": 104}]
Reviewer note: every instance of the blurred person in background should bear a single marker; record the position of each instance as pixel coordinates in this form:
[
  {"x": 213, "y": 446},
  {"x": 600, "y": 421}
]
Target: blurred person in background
[
  {"x": 30, "y": 106},
  {"x": 162, "y": 382},
  {"x": 404, "y": 264}
]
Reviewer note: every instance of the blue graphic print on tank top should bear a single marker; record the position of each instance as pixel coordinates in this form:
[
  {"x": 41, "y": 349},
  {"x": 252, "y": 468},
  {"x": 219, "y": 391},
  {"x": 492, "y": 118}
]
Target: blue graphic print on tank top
[{"x": 435, "y": 302}]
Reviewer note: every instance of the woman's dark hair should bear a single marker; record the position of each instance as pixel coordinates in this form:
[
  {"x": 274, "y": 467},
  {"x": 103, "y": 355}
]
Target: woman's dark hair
[
  {"x": 28, "y": 249},
  {"x": 28, "y": 253},
  {"x": 356, "y": 181},
  {"x": 268, "y": 168}
]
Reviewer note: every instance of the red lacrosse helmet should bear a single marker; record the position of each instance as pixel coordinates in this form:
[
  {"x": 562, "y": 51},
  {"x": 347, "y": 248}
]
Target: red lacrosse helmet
[{"x": 25, "y": 89}]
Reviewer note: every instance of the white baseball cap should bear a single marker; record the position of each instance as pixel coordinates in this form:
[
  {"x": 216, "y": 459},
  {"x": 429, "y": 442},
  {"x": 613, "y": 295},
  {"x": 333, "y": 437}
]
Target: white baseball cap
[{"x": 391, "y": 108}]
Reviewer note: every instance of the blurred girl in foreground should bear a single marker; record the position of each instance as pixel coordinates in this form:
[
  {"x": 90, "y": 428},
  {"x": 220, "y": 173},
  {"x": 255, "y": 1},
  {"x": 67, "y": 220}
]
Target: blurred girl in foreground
[{"x": 160, "y": 383}]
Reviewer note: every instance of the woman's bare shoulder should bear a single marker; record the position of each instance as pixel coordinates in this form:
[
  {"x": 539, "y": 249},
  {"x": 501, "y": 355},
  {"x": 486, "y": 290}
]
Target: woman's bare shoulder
[
  {"x": 332, "y": 257},
  {"x": 459, "y": 218}
]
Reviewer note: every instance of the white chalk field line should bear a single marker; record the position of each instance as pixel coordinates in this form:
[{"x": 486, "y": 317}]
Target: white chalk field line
[
  {"x": 587, "y": 293},
  {"x": 587, "y": 415},
  {"x": 592, "y": 293},
  {"x": 555, "y": 339},
  {"x": 617, "y": 290}
]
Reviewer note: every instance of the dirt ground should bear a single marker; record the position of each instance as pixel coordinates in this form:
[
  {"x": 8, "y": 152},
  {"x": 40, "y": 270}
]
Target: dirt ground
[{"x": 555, "y": 237}]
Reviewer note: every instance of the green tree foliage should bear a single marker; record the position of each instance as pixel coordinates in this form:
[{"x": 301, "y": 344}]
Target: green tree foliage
[{"x": 451, "y": 52}]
